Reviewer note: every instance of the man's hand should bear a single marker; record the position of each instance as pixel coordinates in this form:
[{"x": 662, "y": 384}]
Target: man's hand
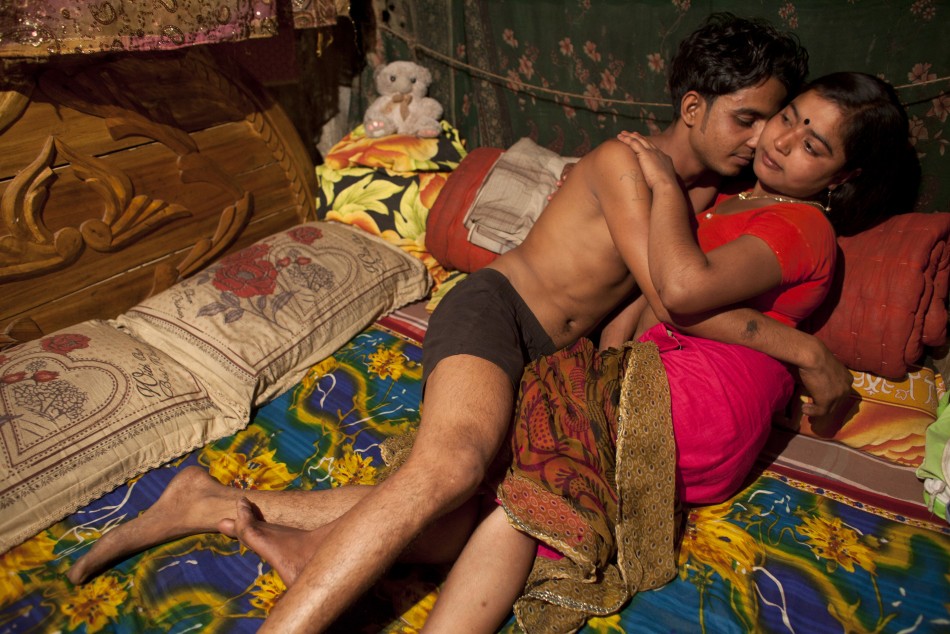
[
  {"x": 828, "y": 382},
  {"x": 560, "y": 181}
]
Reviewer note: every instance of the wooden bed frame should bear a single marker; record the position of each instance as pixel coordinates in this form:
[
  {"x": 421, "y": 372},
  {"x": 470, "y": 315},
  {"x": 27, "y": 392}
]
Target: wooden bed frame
[{"x": 120, "y": 175}]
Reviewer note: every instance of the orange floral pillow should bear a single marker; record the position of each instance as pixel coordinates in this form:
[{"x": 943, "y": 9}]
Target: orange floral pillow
[{"x": 398, "y": 152}]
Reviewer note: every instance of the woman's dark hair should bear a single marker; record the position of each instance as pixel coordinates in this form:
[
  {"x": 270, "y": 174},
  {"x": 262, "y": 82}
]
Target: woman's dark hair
[
  {"x": 875, "y": 134},
  {"x": 728, "y": 53}
]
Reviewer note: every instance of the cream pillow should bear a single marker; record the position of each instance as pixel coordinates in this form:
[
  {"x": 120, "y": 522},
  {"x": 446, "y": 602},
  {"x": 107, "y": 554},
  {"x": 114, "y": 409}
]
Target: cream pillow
[
  {"x": 513, "y": 194},
  {"x": 86, "y": 408},
  {"x": 258, "y": 319}
]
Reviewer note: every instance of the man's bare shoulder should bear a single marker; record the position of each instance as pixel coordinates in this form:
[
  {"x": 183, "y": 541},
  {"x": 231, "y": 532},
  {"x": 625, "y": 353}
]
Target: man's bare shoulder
[
  {"x": 611, "y": 160},
  {"x": 614, "y": 172},
  {"x": 613, "y": 150}
]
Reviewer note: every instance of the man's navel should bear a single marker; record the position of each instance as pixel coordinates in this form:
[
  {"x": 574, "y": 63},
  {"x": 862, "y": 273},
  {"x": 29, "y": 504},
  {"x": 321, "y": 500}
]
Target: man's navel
[{"x": 570, "y": 326}]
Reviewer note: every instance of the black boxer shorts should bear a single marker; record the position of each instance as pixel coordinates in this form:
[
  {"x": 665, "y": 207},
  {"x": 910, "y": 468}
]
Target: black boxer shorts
[{"x": 484, "y": 316}]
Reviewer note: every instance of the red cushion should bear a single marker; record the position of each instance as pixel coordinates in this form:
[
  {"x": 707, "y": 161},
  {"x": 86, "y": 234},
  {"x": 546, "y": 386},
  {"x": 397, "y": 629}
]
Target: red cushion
[
  {"x": 890, "y": 295},
  {"x": 446, "y": 236}
]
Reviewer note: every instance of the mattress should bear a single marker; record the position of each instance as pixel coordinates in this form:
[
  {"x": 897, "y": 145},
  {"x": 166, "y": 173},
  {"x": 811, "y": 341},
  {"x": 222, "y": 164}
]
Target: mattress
[{"x": 801, "y": 548}]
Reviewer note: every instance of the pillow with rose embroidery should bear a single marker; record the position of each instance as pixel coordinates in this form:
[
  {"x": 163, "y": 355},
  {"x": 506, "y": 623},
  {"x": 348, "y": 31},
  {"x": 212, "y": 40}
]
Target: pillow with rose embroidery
[
  {"x": 86, "y": 408},
  {"x": 255, "y": 321}
]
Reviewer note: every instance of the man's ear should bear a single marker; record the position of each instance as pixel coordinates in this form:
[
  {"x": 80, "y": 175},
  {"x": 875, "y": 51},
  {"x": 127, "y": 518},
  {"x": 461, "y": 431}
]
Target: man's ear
[{"x": 692, "y": 106}]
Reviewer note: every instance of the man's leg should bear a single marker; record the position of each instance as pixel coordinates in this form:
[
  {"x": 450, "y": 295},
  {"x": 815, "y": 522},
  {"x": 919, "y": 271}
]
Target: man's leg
[
  {"x": 287, "y": 549},
  {"x": 468, "y": 407},
  {"x": 194, "y": 502}
]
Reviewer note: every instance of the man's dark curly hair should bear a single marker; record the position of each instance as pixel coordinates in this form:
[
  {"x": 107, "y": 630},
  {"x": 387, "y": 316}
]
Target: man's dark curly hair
[{"x": 728, "y": 53}]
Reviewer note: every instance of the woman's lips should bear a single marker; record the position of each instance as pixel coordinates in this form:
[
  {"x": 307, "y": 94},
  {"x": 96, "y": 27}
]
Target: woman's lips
[{"x": 767, "y": 160}]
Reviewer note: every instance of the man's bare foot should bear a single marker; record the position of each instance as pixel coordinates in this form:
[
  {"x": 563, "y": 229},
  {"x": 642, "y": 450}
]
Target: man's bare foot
[
  {"x": 286, "y": 549},
  {"x": 184, "y": 508}
]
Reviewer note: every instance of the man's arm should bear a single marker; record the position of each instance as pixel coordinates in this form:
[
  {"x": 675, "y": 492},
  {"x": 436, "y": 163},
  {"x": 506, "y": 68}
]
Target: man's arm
[
  {"x": 827, "y": 380},
  {"x": 621, "y": 327}
]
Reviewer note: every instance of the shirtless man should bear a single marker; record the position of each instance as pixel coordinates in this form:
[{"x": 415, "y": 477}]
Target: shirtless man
[{"x": 571, "y": 272}]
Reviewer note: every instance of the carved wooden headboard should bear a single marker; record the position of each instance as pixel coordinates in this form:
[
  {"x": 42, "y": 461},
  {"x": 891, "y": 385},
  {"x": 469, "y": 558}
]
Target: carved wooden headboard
[{"x": 120, "y": 175}]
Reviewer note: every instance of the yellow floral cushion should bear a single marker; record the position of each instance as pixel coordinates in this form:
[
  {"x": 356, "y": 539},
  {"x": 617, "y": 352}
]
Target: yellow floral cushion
[
  {"x": 398, "y": 152},
  {"x": 387, "y": 186}
]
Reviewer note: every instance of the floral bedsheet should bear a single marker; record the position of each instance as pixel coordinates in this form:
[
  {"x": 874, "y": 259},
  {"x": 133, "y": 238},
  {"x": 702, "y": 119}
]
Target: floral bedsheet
[{"x": 781, "y": 556}]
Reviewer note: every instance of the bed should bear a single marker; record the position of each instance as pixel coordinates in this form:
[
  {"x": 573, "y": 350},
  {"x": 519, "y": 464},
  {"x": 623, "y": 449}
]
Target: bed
[{"x": 175, "y": 297}]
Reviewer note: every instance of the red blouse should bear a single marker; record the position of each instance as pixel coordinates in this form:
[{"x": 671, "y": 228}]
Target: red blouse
[{"x": 802, "y": 239}]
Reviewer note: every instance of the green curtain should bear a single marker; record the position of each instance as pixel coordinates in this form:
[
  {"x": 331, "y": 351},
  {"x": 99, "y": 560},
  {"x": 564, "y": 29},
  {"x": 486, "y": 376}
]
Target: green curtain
[{"x": 572, "y": 73}]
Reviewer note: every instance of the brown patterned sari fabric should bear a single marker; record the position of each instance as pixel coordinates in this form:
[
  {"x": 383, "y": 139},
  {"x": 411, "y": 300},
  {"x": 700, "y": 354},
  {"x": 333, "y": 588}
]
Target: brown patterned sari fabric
[{"x": 593, "y": 477}]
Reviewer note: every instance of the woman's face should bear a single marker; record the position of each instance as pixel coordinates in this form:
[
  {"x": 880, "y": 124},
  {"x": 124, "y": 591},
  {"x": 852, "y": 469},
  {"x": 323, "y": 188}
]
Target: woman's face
[{"x": 801, "y": 152}]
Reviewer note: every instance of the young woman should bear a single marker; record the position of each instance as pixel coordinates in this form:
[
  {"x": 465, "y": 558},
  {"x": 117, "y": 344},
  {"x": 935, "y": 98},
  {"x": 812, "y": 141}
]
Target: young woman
[{"x": 837, "y": 158}]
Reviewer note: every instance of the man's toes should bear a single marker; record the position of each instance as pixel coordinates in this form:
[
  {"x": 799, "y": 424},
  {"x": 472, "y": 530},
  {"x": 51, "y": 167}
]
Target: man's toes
[
  {"x": 228, "y": 527},
  {"x": 247, "y": 524},
  {"x": 246, "y": 511}
]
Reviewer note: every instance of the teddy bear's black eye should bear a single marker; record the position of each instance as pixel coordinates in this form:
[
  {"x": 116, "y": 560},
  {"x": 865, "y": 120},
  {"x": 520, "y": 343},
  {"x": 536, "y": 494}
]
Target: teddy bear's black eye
[
  {"x": 392, "y": 78},
  {"x": 413, "y": 80}
]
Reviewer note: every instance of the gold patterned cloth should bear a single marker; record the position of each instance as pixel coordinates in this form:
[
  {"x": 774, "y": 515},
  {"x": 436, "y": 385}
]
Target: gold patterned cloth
[
  {"x": 593, "y": 477},
  {"x": 43, "y": 28}
]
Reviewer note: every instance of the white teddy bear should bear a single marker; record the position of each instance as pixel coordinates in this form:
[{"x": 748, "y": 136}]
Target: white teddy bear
[{"x": 402, "y": 107}]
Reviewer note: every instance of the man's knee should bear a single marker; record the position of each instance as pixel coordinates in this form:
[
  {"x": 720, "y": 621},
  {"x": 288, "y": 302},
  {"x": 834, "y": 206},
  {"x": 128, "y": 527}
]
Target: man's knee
[
  {"x": 465, "y": 470},
  {"x": 467, "y": 411},
  {"x": 452, "y": 475}
]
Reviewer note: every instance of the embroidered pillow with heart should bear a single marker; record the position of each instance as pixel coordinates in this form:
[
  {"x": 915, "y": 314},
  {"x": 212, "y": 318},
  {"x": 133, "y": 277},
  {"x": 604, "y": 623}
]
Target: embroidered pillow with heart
[{"x": 86, "y": 408}]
